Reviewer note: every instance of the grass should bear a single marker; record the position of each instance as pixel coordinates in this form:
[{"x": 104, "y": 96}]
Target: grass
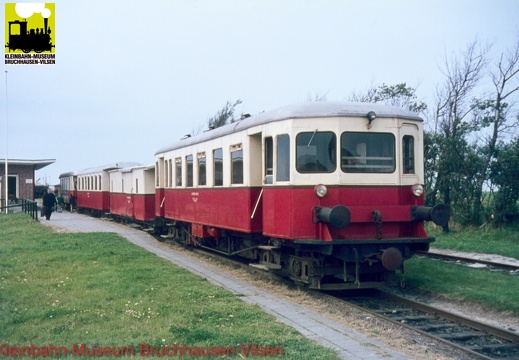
[
  {"x": 99, "y": 290},
  {"x": 503, "y": 242},
  {"x": 490, "y": 289}
]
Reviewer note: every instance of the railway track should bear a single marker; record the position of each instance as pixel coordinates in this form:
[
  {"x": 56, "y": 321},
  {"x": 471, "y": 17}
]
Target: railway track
[
  {"x": 486, "y": 264},
  {"x": 478, "y": 340}
]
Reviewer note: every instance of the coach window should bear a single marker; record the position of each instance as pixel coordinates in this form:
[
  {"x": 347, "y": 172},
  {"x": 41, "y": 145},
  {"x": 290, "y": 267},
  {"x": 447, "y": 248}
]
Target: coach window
[
  {"x": 189, "y": 170},
  {"x": 178, "y": 172},
  {"x": 408, "y": 154},
  {"x": 201, "y": 169},
  {"x": 316, "y": 152},
  {"x": 283, "y": 158},
  {"x": 367, "y": 152},
  {"x": 269, "y": 160},
  {"x": 156, "y": 174},
  {"x": 170, "y": 182},
  {"x": 137, "y": 185},
  {"x": 122, "y": 186},
  {"x": 237, "y": 164},
  {"x": 166, "y": 174},
  {"x": 218, "y": 167}
]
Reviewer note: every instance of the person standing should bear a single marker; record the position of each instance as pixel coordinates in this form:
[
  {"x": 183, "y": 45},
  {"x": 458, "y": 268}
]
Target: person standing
[{"x": 49, "y": 200}]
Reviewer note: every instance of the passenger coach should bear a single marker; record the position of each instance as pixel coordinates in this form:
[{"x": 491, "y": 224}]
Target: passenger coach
[
  {"x": 132, "y": 193},
  {"x": 93, "y": 187},
  {"x": 331, "y": 194}
]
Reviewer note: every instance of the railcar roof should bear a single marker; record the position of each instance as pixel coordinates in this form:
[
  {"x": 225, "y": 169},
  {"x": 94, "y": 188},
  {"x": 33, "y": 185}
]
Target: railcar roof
[
  {"x": 131, "y": 168},
  {"x": 67, "y": 174},
  {"x": 299, "y": 111},
  {"x": 108, "y": 167}
]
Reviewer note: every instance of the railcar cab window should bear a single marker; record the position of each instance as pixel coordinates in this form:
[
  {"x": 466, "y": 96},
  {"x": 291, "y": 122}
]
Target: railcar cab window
[
  {"x": 237, "y": 164},
  {"x": 218, "y": 167},
  {"x": 408, "y": 154},
  {"x": 178, "y": 172},
  {"x": 367, "y": 152},
  {"x": 315, "y": 152},
  {"x": 189, "y": 165},
  {"x": 201, "y": 169}
]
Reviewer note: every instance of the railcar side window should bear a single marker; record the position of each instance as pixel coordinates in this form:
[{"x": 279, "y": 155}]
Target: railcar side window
[
  {"x": 156, "y": 174},
  {"x": 237, "y": 164},
  {"x": 316, "y": 152},
  {"x": 178, "y": 172},
  {"x": 367, "y": 152},
  {"x": 218, "y": 167},
  {"x": 283, "y": 158},
  {"x": 201, "y": 169},
  {"x": 189, "y": 170},
  {"x": 408, "y": 154},
  {"x": 269, "y": 160}
]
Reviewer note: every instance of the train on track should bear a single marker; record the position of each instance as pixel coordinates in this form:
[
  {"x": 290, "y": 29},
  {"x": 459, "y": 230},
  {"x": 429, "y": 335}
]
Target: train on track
[{"x": 329, "y": 194}]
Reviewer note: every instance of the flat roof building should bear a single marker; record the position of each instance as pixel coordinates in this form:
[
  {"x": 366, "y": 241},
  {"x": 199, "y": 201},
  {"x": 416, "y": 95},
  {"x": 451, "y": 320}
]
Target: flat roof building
[{"x": 21, "y": 178}]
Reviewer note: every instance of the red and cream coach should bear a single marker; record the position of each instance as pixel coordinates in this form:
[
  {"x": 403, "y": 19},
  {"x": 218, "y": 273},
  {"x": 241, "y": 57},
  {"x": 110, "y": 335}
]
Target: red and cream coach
[
  {"x": 93, "y": 187},
  {"x": 132, "y": 193},
  {"x": 329, "y": 194}
]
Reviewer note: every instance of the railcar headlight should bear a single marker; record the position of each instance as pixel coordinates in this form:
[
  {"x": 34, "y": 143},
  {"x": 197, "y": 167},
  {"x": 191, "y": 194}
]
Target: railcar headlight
[
  {"x": 321, "y": 190},
  {"x": 417, "y": 189}
]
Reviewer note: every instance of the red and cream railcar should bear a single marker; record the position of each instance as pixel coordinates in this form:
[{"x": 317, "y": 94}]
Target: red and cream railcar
[
  {"x": 68, "y": 187},
  {"x": 132, "y": 193},
  {"x": 328, "y": 193},
  {"x": 93, "y": 187}
]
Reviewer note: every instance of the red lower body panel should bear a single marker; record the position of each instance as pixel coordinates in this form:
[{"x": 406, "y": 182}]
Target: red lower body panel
[
  {"x": 96, "y": 200},
  {"x": 229, "y": 208}
]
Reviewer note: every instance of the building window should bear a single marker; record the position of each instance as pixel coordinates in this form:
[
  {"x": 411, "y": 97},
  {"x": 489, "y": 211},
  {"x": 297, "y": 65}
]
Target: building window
[
  {"x": 283, "y": 158},
  {"x": 218, "y": 167},
  {"x": 201, "y": 169},
  {"x": 189, "y": 170},
  {"x": 236, "y": 164},
  {"x": 408, "y": 154}
]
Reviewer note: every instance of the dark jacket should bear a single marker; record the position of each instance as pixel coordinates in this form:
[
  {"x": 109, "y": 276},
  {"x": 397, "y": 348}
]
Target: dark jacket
[{"x": 49, "y": 200}]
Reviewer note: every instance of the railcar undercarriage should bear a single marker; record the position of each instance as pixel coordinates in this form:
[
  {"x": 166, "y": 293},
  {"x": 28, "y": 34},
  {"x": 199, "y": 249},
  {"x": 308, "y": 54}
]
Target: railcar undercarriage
[{"x": 321, "y": 265}]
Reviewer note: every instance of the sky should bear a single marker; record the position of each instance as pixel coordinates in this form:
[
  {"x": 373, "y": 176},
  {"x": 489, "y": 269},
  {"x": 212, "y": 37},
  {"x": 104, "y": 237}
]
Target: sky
[{"x": 132, "y": 77}]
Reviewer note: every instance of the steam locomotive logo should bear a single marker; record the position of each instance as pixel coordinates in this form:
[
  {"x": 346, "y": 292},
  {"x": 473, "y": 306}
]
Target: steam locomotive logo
[{"x": 29, "y": 27}]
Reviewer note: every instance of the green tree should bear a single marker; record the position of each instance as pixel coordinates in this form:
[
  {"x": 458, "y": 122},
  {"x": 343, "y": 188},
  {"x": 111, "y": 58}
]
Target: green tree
[
  {"x": 223, "y": 116},
  {"x": 504, "y": 172}
]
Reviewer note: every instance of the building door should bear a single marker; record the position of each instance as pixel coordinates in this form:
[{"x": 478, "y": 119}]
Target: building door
[{"x": 13, "y": 187}]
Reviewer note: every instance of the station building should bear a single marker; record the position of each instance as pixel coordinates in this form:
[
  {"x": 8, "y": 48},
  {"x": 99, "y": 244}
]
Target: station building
[{"x": 21, "y": 178}]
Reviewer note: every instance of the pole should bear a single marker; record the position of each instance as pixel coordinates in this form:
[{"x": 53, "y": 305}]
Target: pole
[{"x": 6, "y": 177}]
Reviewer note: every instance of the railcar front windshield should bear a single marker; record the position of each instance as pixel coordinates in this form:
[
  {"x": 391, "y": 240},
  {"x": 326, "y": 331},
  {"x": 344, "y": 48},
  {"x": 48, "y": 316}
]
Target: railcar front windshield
[
  {"x": 367, "y": 152},
  {"x": 315, "y": 152},
  {"x": 360, "y": 152}
]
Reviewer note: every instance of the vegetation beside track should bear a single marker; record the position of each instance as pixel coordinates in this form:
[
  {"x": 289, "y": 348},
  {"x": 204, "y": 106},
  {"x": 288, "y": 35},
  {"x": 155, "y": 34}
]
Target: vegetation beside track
[
  {"x": 494, "y": 290},
  {"x": 502, "y": 241},
  {"x": 98, "y": 289}
]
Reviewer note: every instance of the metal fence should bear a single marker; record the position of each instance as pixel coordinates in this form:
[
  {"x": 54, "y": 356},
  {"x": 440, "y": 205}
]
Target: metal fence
[{"x": 20, "y": 205}]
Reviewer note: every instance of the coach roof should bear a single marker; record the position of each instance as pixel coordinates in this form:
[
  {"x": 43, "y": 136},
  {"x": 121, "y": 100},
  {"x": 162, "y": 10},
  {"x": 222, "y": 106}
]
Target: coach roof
[
  {"x": 107, "y": 167},
  {"x": 298, "y": 111}
]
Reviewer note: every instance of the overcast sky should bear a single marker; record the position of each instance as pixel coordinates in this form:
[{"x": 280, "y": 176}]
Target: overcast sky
[{"x": 134, "y": 76}]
